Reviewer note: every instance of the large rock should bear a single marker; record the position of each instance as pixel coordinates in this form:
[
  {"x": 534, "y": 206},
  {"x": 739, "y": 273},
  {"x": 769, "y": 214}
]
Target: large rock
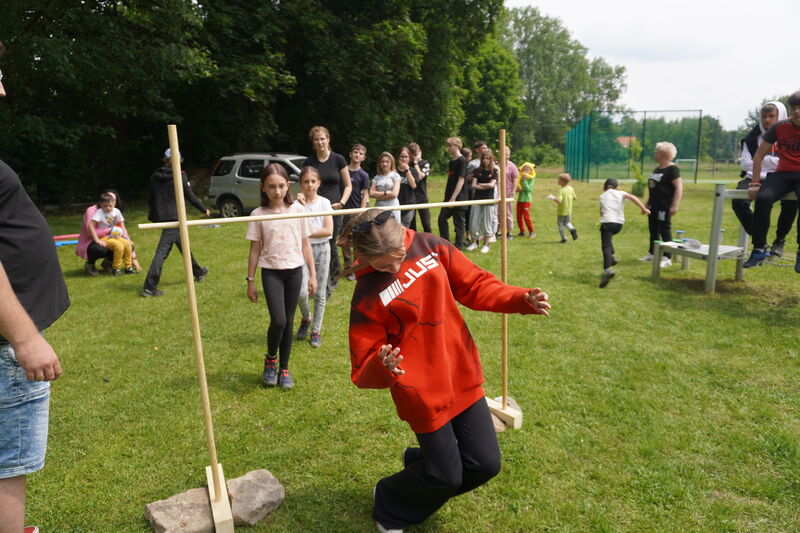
[
  {"x": 187, "y": 512},
  {"x": 252, "y": 496}
]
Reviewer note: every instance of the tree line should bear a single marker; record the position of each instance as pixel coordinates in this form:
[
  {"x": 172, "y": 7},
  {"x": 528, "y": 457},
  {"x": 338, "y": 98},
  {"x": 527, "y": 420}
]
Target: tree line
[{"x": 92, "y": 84}]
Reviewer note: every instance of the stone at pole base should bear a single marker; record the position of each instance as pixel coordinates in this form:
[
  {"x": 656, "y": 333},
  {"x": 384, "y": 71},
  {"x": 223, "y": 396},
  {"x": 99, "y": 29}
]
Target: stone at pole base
[{"x": 252, "y": 496}]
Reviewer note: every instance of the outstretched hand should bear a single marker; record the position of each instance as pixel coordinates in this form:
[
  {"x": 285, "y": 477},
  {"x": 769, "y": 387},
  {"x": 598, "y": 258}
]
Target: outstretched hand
[
  {"x": 391, "y": 359},
  {"x": 539, "y": 301}
]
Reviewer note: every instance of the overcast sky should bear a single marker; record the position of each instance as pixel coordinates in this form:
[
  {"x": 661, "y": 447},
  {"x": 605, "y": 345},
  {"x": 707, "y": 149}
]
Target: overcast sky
[{"x": 723, "y": 57}]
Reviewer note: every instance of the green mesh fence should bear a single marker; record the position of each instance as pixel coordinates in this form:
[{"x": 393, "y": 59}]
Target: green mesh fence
[{"x": 602, "y": 145}]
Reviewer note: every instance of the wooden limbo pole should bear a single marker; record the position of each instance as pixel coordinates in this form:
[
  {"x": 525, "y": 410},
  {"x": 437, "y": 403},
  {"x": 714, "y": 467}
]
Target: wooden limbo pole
[
  {"x": 217, "y": 490},
  {"x": 499, "y": 406}
]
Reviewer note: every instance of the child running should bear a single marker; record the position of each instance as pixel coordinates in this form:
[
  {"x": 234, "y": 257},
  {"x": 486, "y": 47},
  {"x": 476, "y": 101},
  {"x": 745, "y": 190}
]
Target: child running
[
  {"x": 612, "y": 217},
  {"x": 481, "y": 217},
  {"x": 109, "y": 222},
  {"x": 527, "y": 175},
  {"x": 279, "y": 247},
  {"x": 407, "y": 334},
  {"x": 321, "y": 231},
  {"x": 566, "y": 195}
]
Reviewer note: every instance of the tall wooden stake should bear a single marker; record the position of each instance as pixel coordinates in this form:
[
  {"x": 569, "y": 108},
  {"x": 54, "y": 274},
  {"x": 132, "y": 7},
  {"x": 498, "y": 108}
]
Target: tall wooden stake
[
  {"x": 218, "y": 493},
  {"x": 510, "y": 416}
]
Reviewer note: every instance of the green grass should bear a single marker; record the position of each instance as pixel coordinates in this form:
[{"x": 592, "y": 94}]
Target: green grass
[{"x": 649, "y": 406}]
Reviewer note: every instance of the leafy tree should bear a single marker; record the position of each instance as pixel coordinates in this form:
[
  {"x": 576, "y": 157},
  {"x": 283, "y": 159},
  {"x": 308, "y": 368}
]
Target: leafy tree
[
  {"x": 493, "y": 88},
  {"x": 560, "y": 84}
]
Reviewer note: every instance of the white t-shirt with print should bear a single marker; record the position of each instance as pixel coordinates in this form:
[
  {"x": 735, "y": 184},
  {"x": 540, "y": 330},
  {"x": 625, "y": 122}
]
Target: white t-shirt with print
[
  {"x": 281, "y": 240},
  {"x": 107, "y": 220}
]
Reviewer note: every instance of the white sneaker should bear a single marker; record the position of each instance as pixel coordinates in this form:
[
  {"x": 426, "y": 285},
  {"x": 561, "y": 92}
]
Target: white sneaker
[
  {"x": 472, "y": 246},
  {"x": 491, "y": 239},
  {"x": 485, "y": 249},
  {"x": 648, "y": 257},
  {"x": 666, "y": 262}
]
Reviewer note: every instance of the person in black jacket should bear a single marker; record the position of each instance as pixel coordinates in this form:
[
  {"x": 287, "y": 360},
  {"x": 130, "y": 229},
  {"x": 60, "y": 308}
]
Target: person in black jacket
[{"x": 163, "y": 209}]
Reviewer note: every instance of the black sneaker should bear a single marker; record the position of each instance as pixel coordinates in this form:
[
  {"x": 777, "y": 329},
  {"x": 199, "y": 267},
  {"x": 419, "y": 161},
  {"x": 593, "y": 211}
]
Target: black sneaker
[
  {"x": 149, "y": 293},
  {"x": 116, "y": 272},
  {"x": 509, "y": 237},
  {"x": 574, "y": 233},
  {"x": 202, "y": 275},
  {"x": 106, "y": 265},
  {"x": 563, "y": 241},
  {"x": 606, "y": 277},
  {"x": 302, "y": 331},
  {"x": 285, "y": 381},
  {"x": 521, "y": 234},
  {"x": 90, "y": 269},
  {"x": 270, "y": 376},
  {"x": 777, "y": 248},
  {"x": 130, "y": 270}
]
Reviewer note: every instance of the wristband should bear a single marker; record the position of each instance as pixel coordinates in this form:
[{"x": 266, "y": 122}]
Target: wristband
[
  {"x": 248, "y": 278},
  {"x": 756, "y": 183}
]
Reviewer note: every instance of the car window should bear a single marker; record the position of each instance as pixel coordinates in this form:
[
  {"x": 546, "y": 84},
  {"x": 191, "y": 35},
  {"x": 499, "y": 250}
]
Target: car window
[
  {"x": 298, "y": 162},
  {"x": 251, "y": 168},
  {"x": 289, "y": 170},
  {"x": 224, "y": 167}
]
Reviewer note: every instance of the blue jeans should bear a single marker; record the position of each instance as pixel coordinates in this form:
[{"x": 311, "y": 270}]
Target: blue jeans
[
  {"x": 169, "y": 237},
  {"x": 24, "y": 409}
]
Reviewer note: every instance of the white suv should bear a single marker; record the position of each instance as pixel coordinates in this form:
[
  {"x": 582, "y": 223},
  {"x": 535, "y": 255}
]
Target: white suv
[{"x": 235, "y": 187}]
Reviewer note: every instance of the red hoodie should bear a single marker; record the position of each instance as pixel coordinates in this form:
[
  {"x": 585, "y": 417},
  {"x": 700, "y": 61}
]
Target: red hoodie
[{"x": 416, "y": 310}]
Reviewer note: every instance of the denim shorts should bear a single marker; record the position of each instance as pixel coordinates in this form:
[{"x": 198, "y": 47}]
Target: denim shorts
[{"x": 24, "y": 407}]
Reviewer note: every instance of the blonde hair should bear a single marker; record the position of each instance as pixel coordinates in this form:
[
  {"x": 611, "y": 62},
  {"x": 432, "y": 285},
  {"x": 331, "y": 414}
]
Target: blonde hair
[
  {"x": 455, "y": 141},
  {"x": 667, "y": 148},
  {"x": 391, "y": 160},
  {"x": 317, "y": 129},
  {"x": 378, "y": 241},
  {"x": 564, "y": 177}
]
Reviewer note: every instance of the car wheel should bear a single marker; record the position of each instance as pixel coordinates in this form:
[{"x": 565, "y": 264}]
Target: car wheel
[{"x": 230, "y": 207}]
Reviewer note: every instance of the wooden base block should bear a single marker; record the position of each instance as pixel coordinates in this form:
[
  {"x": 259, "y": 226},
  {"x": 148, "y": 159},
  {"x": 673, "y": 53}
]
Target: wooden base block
[
  {"x": 221, "y": 510},
  {"x": 511, "y": 417}
]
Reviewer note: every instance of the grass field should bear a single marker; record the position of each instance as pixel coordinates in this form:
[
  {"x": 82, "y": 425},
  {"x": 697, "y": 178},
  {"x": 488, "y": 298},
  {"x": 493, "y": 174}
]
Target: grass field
[{"x": 649, "y": 406}]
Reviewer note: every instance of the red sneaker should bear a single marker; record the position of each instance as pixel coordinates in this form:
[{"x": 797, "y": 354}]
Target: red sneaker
[{"x": 31, "y": 529}]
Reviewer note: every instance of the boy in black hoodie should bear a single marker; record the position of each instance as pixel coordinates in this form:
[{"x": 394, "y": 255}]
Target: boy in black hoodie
[{"x": 163, "y": 209}]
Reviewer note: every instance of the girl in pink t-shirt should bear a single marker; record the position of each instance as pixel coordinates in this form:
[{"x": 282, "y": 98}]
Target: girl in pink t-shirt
[{"x": 279, "y": 247}]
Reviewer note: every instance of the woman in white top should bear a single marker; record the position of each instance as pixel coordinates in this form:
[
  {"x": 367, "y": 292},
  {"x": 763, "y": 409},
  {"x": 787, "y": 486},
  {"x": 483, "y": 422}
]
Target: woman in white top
[
  {"x": 279, "y": 247},
  {"x": 386, "y": 184},
  {"x": 612, "y": 217}
]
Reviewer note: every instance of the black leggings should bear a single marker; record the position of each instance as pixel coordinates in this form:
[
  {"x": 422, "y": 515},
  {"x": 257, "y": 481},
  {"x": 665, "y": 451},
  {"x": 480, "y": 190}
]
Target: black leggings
[
  {"x": 95, "y": 251},
  {"x": 456, "y": 458},
  {"x": 281, "y": 290},
  {"x": 773, "y": 188},
  {"x": 607, "y": 231}
]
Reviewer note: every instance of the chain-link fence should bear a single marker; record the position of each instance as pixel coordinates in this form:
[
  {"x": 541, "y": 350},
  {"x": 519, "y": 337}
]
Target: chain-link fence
[{"x": 604, "y": 145}]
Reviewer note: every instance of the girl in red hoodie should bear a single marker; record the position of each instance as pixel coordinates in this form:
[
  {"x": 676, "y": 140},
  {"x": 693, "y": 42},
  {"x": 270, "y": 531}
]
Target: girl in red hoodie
[{"x": 407, "y": 335}]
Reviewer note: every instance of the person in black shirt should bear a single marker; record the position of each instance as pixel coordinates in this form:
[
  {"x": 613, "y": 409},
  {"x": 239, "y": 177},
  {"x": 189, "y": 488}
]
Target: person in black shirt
[
  {"x": 454, "y": 192},
  {"x": 666, "y": 191},
  {"x": 32, "y": 296},
  {"x": 423, "y": 170},
  {"x": 163, "y": 208},
  {"x": 408, "y": 185}
]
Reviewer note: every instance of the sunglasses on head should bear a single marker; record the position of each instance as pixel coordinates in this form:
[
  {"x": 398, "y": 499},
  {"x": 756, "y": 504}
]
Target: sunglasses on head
[{"x": 364, "y": 227}]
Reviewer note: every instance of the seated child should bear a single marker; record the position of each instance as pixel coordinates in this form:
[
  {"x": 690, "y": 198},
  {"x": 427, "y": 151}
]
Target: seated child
[{"x": 109, "y": 218}]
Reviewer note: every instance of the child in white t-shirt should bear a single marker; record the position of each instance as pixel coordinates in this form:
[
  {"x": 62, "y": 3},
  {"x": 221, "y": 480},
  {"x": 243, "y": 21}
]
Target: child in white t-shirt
[
  {"x": 612, "y": 217},
  {"x": 321, "y": 231},
  {"x": 108, "y": 221}
]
